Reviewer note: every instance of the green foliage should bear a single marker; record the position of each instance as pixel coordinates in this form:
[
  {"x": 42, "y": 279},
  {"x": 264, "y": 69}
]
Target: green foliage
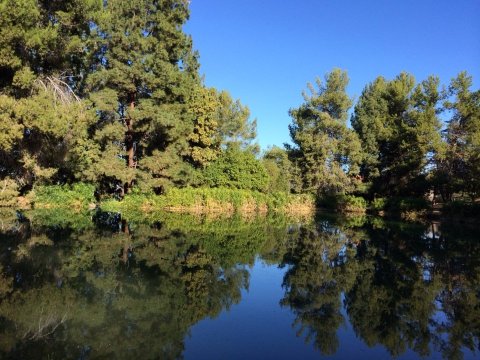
[
  {"x": 326, "y": 150},
  {"x": 236, "y": 168},
  {"x": 234, "y": 124},
  {"x": 48, "y": 137},
  {"x": 8, "y": 193},
  {"x": 205, "y": 140},
  {"x": 458, "y": 168},
  {"x": 344, "y": 203},
  {"x": 77, "y": 196},
  {"x": 399, "y": 128},
  {"x": 39, "y": 39},
  {"x": 222, "y": 201},
  {"x": 279, "y": 168},
  {"x": 378, "y": 204}
]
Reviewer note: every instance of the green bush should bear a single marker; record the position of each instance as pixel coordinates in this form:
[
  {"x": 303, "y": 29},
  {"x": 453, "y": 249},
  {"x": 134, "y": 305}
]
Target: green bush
[
  {"x": 344, "y": 203},
  {"x": 79, "y": 195},
  {"x": 208, "y": 199},
  {"x": 238, "y": 169}
]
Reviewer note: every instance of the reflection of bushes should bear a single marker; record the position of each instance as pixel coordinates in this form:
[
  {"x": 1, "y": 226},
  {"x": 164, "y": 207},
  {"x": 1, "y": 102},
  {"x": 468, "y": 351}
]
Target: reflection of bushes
[
  {"x": 406, "y": 208},
  {"x": 391, "y": 278},
  {"x": 6, "y": 283},
  {"x": 47, "y": 324},
  {"x": 61, "y": 218},
  {"x": 9, "y": 220}
]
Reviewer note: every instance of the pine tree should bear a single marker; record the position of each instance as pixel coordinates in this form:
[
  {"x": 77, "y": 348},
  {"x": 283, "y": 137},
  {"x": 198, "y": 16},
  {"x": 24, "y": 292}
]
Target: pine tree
[
  {"x": 398, "y": 125},
  {"x": 325, "y": 149},
  {"x": 44, "y": 127},
  {"x": 140, "y": 88},
  {"x": 234, "y": 124},
  {"x": 458, "y": 169}
]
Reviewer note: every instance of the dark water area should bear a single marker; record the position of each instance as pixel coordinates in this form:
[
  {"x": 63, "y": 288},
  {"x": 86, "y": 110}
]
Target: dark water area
[{"x": 96, "y": 286}]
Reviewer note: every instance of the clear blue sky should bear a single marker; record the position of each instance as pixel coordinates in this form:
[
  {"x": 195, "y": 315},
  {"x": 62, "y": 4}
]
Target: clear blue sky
[{"x": 265, "y": 51}]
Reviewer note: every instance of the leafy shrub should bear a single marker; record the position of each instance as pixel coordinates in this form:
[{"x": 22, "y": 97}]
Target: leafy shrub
[
  {"x": 344, "y": 203},
  {"x": 238, "y": 169},
  {"x": 210, "y": 200},
  {"x": 76, "y": 196}
]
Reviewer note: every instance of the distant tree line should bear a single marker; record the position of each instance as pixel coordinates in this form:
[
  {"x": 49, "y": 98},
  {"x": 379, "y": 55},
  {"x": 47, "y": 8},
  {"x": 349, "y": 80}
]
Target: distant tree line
[{"x": 109, "y": 93}]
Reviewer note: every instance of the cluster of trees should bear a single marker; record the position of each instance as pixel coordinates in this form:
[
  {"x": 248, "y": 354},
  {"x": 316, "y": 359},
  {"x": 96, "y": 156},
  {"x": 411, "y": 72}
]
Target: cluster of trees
[
  {"x": 108, "y": 92},
  {"x": 405, "y": 138}
]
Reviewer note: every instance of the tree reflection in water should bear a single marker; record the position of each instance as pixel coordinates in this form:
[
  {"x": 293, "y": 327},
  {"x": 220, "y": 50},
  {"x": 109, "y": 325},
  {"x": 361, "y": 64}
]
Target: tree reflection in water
[
  {"x": 71, "y": 287},
  {"x": 403, "y": 286}
]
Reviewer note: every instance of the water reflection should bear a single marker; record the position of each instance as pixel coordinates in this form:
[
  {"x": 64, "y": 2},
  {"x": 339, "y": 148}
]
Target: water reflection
[
  {"x": 404, "y": 287},
  {"x": 100, "y": 286}
]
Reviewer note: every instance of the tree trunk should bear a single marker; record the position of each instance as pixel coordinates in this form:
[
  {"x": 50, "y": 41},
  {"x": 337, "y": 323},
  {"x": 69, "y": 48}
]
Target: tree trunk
[
  {"x": 129, "y": 134},
  {"x": 129, "y": 141}
]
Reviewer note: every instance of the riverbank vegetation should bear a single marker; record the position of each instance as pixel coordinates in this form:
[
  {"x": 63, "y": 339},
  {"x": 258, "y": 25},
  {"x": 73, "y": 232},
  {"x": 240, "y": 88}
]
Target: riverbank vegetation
[{"x": 105, "y": 101}]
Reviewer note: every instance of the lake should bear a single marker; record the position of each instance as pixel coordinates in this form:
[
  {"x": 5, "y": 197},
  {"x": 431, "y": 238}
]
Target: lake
[{"x": 96, "y": 286}]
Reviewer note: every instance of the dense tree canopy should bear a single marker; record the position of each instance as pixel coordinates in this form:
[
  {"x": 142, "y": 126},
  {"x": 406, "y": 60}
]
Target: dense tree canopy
[
  {"x": 109, "y": 93},
  {"x": 399, "y": 128}
]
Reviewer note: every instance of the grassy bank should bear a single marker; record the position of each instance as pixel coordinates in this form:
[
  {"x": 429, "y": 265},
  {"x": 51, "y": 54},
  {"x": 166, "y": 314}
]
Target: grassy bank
[
  {"x": 225, "y": 202},
  {"x": 221, "y": 201}
]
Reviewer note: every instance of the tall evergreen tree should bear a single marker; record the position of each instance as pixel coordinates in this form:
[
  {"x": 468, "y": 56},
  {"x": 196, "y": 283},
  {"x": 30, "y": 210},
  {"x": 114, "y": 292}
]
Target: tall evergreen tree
[
  {"x": 398, "y": 125},
  {"x": 325, "y": 149},
  {"x": 43, "y": 47},
  {"x": 140, "y": 88},
  {"x": 459, "y": 168}
]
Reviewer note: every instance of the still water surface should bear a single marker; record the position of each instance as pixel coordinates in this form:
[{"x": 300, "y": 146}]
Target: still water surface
[{"x": 95, "y": 286}]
